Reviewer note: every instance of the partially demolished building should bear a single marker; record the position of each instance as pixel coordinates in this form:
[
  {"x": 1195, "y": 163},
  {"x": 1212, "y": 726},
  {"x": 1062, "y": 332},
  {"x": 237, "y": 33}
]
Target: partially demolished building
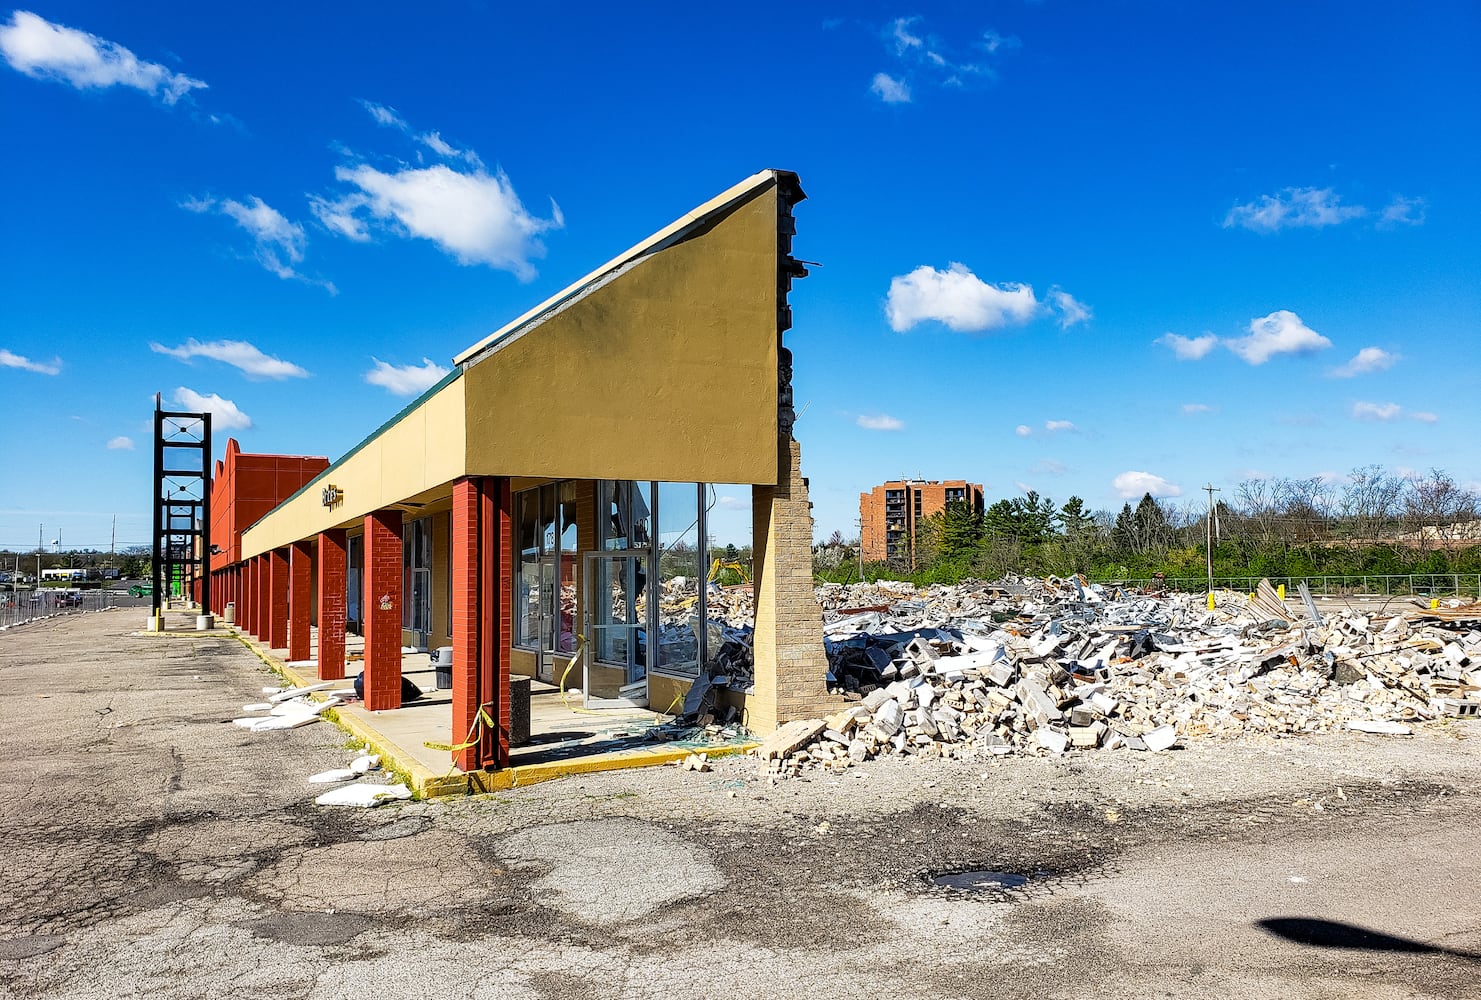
[{"x": 510, "y": 512}]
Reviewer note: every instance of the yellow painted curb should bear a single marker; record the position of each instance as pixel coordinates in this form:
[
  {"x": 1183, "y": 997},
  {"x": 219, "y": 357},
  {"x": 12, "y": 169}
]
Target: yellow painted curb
[
  {"x": 533, "y": 774},
  {"x": 425, "y": 783}
]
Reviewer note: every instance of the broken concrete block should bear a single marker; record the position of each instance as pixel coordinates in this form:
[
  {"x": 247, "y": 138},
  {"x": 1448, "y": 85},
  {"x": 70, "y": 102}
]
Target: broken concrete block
[
  {"x": 789, "y": 737},
  {"x": 1161, "y": 738},
  {"x": 1087, "y": 737},
  {"x": 1052, "y": 740}
]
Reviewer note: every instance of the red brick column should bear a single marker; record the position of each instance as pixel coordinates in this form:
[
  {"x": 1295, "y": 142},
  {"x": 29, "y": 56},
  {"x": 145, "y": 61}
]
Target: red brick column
[
  {"x": 333, "y": 569},
  {"x": 467, "y": 621},
  {"x": 498, "y": 582},
  {"x": 381, "y": 605},
  {"x": 264, "y": 600},
  {"x": 277, "y": 610},
  {"x": 300, "y": 598}
]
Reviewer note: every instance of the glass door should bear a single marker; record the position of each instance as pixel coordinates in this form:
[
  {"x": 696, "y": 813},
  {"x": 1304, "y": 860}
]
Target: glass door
[{"x": 615, "y": 668}]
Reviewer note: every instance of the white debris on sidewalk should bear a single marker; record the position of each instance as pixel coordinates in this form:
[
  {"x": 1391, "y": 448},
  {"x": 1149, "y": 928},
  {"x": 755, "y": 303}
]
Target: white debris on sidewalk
[{"x": 363, "y": 795}]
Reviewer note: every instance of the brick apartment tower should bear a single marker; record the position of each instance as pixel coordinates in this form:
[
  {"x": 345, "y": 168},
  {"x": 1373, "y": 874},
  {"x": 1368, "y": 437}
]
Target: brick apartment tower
[{"x": 890, "y": 513}]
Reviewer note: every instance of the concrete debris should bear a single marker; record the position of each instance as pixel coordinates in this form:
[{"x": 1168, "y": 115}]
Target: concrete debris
[
  {"x": 363, "y": 795},
  {"x": 365, "y": 762},
  {"x": 333, "y": 775},
  {"x": 696, "y": 762},
  {"x": 1064, "y": 666}
]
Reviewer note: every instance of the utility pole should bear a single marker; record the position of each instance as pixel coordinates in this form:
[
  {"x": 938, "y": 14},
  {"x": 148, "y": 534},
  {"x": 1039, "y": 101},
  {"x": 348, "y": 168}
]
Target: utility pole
[
  {"x": 40, "y": 534},
  {"x": 113, "y": 540},
  {"x": 1209, "y": 533}
]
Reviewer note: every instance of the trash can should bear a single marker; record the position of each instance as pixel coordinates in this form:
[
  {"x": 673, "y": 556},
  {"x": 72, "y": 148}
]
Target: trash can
[
  {"x": 442, "y": 661},
  {"x": 519, "y": 710},
  {"x": 231, "y": 613}
]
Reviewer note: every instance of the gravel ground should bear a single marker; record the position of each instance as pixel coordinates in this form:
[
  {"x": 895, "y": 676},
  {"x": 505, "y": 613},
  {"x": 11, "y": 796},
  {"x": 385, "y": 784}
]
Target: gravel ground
[{"x": 154, "y": 850}]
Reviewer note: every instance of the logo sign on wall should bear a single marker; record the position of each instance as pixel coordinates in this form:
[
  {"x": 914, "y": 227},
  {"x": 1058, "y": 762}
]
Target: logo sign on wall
[{"x": 331, "y": 496}]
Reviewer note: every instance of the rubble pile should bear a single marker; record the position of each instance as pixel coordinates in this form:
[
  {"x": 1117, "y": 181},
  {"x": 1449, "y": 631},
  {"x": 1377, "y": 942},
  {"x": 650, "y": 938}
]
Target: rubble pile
[{"x": 1055, "y": 666}]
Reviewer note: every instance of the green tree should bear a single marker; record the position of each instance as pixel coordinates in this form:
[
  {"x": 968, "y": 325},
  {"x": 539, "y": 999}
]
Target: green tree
[{"x": 951, "y": 534}]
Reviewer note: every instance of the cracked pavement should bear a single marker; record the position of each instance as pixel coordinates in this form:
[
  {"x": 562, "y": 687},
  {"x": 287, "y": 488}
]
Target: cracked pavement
[{"x": 152, "y": 849}]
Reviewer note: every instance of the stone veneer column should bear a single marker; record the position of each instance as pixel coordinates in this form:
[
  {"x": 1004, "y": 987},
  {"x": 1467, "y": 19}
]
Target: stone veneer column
[
  {"x": 791, "y": 671},
  {"x": 333, "y": 571}
]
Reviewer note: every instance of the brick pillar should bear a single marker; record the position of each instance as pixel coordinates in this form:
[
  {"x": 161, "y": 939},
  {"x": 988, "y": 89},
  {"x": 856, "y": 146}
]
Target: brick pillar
[
  {"x": 498, "y": 580},
  {"x": 468, "y": 623},
  {"x": 264, "y": 599},
  {"x": 333, "y": 569},
  {"x": 791, "y": 666},
  {"x": 277, "y": 610},
  {"x": 300, "y": 598},
  {"x": 382, "y": 610}
]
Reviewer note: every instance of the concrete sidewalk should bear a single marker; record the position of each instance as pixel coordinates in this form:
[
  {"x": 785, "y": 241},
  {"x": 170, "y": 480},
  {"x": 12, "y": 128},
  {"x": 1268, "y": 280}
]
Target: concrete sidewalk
[{"x": 565, "y": 739}]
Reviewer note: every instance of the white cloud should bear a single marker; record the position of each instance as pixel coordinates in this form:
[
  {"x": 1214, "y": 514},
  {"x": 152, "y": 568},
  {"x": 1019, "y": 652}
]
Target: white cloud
[
  {"x": 1189, "y": 348},
  {"x": 905, "y": 39},
  {"x": 889, "y": 89},
  {"x": 923, "y": 56},
  {"x": 121, "y": 443},
  {"x": 406, "y": 380},
  {"x": 1053, "y": 426},
  {"x": 1424, "y": 417},
  {"x": 1023, "y": 430},
  {"x": 733, "y": 503},
  {"x": 278, "y": 243},
  {"x": 1402, "y": 212},
  {"x": 225, "y": 416},
  {"x": 880, "y": 422},
  {"x": 992, "y": 41},
  {"x": 1130, "y": 485},
  {"x": 957, "y": 298},
  {"x": 1366, "y": 361},
  {"x": 1293, "y": 208},
  {"x": 1282, "y": 332},
  {"x": 9, "y": 359},
  {"x": 437, "y": 144},
  {"x": 434, "y": 141},
  {"x": 475, "y": 217},
  {"x": 1051, "y": 467},
  {"x": 47, "y": 51},
  {"x": 1193, "y": 408},
  {"x": 385, "y": 116},
  {"x": 237, "y": 353},
  {"x": 1071, "y": 311},
  {"x": 1376, "y": 411}
]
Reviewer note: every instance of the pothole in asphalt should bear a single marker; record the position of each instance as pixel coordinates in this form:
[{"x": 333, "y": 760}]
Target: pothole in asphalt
[
  {"x": 1002, "y": 883},
  {"x": 18, "y": 948},
  {"x": 409, "y": 826}
]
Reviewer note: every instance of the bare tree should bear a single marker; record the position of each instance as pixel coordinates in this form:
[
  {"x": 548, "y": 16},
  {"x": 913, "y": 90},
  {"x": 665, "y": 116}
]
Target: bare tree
[
  {"x": 1258, "y": 509},
  {"x": 1435, "y": 505},
  {"x": 1371, "y": 502},
  {"x": 1305, "y": 508}
]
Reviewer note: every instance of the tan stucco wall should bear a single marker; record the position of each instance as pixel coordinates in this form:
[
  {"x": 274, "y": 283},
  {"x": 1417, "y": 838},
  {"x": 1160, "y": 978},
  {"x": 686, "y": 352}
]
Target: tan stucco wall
[
  {"x": 422, "y": 450},
  {"x": 667, "y": 372}
]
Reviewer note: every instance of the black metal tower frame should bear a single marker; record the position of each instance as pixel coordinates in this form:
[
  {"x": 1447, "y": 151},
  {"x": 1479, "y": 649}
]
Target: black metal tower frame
[{"x": 182, "y": 502}]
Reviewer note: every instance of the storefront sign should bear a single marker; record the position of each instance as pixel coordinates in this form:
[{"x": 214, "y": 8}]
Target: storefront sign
[{"x": 331, "y": 496}]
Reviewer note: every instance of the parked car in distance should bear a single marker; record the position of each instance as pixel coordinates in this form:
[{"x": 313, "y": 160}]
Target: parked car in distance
[
  {"x": 142, "y": 590},
  {"x": 69, "y": 599}
]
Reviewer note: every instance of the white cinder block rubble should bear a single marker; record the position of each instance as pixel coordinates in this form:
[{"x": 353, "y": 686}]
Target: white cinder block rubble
[{"x": 1035, "y": 665}]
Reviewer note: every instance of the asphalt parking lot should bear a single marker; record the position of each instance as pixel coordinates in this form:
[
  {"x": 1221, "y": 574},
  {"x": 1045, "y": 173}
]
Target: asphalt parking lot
[{"x": 155, "y": 850}]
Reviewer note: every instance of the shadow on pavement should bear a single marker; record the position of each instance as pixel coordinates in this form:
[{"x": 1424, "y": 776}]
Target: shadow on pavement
[{"x": 1336, "y": 934}]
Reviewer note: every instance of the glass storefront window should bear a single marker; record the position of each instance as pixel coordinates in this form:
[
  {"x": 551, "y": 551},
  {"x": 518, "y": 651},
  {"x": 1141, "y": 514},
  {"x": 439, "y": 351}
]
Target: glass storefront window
[{"x": 527, "y": 576}]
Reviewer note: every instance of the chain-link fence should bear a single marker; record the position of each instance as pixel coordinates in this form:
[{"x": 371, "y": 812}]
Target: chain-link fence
[
  {"x": 20, "y": 606},
  {"x": 1465, "y": 585}
]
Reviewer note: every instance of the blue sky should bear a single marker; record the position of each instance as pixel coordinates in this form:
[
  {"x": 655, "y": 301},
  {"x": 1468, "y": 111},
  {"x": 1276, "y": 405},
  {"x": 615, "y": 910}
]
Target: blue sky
[{"x": 1084, "y": 248}]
